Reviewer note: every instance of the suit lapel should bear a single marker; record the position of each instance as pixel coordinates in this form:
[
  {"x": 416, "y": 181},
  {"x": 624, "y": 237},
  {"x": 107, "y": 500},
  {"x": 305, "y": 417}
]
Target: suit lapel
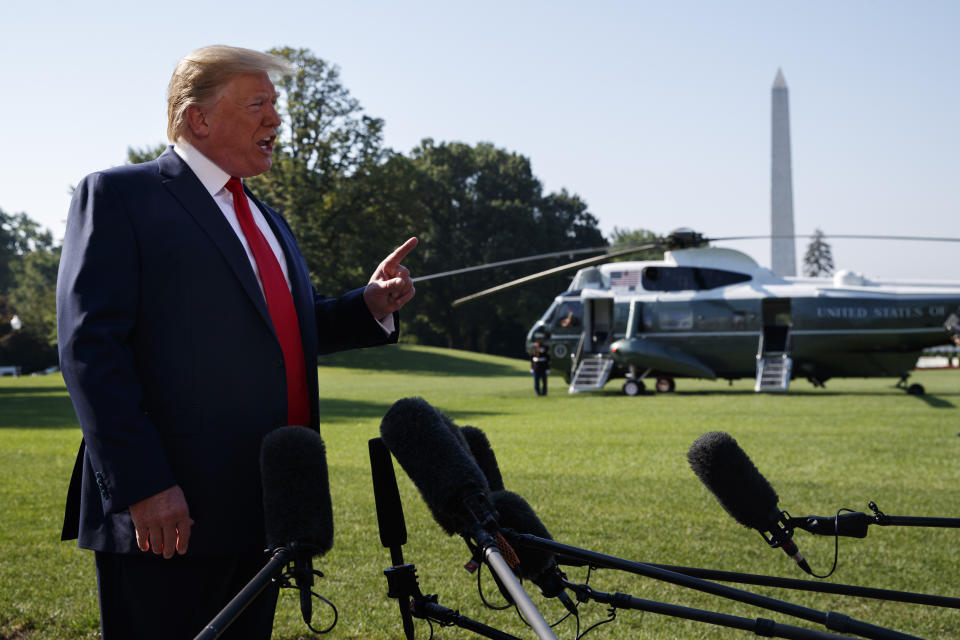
[{"x": 185, "y": 187}]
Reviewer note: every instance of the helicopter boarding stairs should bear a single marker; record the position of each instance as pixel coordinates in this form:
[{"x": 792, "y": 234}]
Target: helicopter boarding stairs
[
  {"x": 774, "y": 365},
  {"x": 592, "y": 373},
  {"x": 592, "y": 364}
]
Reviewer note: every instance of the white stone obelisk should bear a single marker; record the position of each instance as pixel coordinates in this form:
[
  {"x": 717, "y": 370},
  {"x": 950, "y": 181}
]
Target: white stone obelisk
[{"x": 783, "y": 254}]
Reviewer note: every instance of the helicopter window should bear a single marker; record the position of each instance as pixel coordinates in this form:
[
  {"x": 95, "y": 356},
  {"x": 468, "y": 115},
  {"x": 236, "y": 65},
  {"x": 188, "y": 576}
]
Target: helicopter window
[
  {"x": 568, "y": 317},
  {"x": 739, "y": 320},
  {"x": 689, "y": 278},
  {"x": 621, "y": 315},
  {"x": 676, "y": 319},
  {"x": 646, "y": 321}
]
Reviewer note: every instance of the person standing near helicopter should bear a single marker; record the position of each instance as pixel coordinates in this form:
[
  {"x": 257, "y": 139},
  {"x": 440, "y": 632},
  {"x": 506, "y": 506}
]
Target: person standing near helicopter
[{"x": 540, "y": 366}]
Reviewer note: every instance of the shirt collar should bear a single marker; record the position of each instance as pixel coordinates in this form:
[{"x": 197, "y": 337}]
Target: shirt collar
[{"x": 212, "y": 177}]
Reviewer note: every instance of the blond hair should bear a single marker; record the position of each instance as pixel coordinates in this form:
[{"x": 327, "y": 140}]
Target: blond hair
[{"x": 201, "y": 74}]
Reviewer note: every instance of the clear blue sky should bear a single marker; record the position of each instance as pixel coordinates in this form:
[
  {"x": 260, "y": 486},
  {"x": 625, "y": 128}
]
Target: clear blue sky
[{"x": 656, "y": 113}]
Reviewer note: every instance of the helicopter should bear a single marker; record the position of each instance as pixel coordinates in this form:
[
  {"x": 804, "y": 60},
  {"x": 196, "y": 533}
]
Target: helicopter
[{"x": 710, "y": 312}]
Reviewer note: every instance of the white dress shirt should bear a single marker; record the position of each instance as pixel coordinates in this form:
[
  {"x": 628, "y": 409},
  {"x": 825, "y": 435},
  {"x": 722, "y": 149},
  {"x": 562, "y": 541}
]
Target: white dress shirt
[{"x": 214, "y": 180}]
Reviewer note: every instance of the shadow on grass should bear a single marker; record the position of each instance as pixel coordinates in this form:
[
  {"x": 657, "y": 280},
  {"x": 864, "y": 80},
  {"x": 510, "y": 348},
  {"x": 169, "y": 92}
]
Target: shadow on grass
[
  {"x": 937, "y": 402},
  {"x": 336, "y": 410},
  {"x": 36, "y": 411},
  {"x": 33, "y": 391},
  {"x": 398, "y": 359}
]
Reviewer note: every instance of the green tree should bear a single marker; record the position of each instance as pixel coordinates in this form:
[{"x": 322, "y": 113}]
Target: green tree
[
  {"x": 818, "y": 260},
  {"x": 136, "y": 155},
  {"x": 19, "y": 235},
  {"x": 28, "y": 278},
  {"x": 625, "y": 238},
  {"x": 34, "y": 295},
  {"x": 329, "y": 154},
  {"x": 483, "y": 205}
]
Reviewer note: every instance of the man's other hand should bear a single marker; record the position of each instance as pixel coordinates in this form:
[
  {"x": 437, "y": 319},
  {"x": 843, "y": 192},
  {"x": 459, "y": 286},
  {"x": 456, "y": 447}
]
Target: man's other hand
[
  {"x": 163, "y": 522},
  {"x": 390, "y": 286}
]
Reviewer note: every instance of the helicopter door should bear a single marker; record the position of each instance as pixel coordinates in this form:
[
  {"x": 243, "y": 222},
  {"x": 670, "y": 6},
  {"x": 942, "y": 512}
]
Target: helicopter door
[
  {"x": 774, "y": 364},
  {"x": 776, "y": 325},
  {"x": 601, "y": 324}
]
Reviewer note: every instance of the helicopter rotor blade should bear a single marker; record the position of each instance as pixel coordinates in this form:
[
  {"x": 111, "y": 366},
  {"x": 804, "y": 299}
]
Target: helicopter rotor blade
[
  {"x": 549, "y": 272},
  {"x": 491, "y": 265},
  {"x": 838, "y": 236},
  {"x": 659, "y": 244}
]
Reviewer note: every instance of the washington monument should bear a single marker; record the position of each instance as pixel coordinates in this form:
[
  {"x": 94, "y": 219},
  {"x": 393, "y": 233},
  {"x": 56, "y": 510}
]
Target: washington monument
[{"x": 783, "y": 256}]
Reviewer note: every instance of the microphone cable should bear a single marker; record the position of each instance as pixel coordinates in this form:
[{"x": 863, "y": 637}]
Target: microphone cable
[
  {"x": 836, "y": 544},
  {"x": 507, "y": 605},
  {"x": 286, "y": 581}
]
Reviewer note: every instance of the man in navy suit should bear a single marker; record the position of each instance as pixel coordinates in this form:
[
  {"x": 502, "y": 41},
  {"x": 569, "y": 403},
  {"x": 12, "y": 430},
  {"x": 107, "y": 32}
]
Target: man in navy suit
[{"x": 188, "y": 329}]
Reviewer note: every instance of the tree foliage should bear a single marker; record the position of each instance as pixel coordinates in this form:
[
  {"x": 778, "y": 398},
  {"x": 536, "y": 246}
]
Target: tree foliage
[
  {"x": 482, "y": 205},
  {"x": 350, "y": 201},
  {"x": 28, "y": 278},
  {"x": 624, "y": 238},
  {"x": 136, "y": 155},
  {"x": 818, "y": 260},
  {"x": 327, "y": 159},
  {"x": 19, "y": 235}
]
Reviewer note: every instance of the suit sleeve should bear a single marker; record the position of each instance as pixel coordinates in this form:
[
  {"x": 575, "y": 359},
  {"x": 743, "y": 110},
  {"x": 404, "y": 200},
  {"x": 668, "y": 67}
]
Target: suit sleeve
[
  {"x": 346, "y": 323},
  {"x": 97, "y": 309}
]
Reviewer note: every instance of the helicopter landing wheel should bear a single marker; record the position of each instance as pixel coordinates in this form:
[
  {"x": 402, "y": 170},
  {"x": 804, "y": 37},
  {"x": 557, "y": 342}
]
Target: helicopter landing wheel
[
  {"x": 633, "y": 387},
  {"x": 916, "y": 389},
  {"x": 666, "y": 385}
]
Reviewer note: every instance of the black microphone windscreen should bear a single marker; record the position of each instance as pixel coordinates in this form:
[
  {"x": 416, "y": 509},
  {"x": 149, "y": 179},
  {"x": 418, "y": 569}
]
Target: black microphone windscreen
[
  {"x": 296, "y": 490},
  {"x": 442, "y": 470},
  {"x": 455, "y": 430},
  {"x": 483, "y": 454},
  {"x": 517, "y": 514},
  {"x": 733, "y": 479}
]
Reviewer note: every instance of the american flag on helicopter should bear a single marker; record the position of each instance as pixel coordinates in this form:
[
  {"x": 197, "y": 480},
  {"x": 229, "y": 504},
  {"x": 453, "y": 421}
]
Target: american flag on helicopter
[{"x": 629, "y": 279}]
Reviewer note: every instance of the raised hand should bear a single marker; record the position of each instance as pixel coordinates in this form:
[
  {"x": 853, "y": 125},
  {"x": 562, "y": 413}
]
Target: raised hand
[{"x": 390, "y": 286}]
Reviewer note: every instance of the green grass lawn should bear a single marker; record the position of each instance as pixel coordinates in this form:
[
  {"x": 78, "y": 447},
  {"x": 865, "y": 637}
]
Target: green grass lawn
[{"x": 604, "y": 471}]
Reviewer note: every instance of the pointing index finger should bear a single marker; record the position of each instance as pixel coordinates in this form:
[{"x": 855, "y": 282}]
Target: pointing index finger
[{"x": 393, "y": 260}]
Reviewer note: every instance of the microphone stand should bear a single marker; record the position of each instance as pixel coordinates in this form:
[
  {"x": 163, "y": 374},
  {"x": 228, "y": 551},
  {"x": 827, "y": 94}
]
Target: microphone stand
[
  {"x": 402, "y": 581},
  {"x": 269, "y": 573},
  {"x": 402, "y": 584},
  {"x": 759, "y": 626},
  {"x": 831, "y": 620},
  {"x": 386, "y": 495},
  {"x": 854, "y": 525},
  {"x": 814, "y": 586},
  {"x": 491, "y": 554}
]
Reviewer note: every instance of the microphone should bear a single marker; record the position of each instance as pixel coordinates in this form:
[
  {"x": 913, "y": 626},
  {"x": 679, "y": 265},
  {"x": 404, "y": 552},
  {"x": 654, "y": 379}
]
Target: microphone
[
  {"x": 386, "y": 496},
  {"x": 454, "y": 488},
  {"x": 537, "y": 565},
  {"x": 393, "y": 528},
  {"x": 455, "y": 430},
  {"x": 742, "y": 491},
  {"x": 482, "y": 452},
  {"x": 296, "y": 502}
]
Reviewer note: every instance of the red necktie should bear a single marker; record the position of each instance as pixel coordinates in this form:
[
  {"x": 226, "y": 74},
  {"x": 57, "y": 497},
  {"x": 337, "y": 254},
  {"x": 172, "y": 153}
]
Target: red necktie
[{"x": 280, "y": 304}]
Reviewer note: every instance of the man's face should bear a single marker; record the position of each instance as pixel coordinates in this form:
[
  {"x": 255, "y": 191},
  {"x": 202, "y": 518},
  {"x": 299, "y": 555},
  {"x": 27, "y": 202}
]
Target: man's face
[{"x": 241, "y": 127}]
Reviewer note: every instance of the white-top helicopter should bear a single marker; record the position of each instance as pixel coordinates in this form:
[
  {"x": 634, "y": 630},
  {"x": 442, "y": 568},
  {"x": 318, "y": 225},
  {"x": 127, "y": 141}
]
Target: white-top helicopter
[{"x": 710, "y": 312}]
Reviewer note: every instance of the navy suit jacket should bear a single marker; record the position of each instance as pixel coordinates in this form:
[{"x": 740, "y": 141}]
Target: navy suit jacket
[{"x": 170, "y": 357}]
